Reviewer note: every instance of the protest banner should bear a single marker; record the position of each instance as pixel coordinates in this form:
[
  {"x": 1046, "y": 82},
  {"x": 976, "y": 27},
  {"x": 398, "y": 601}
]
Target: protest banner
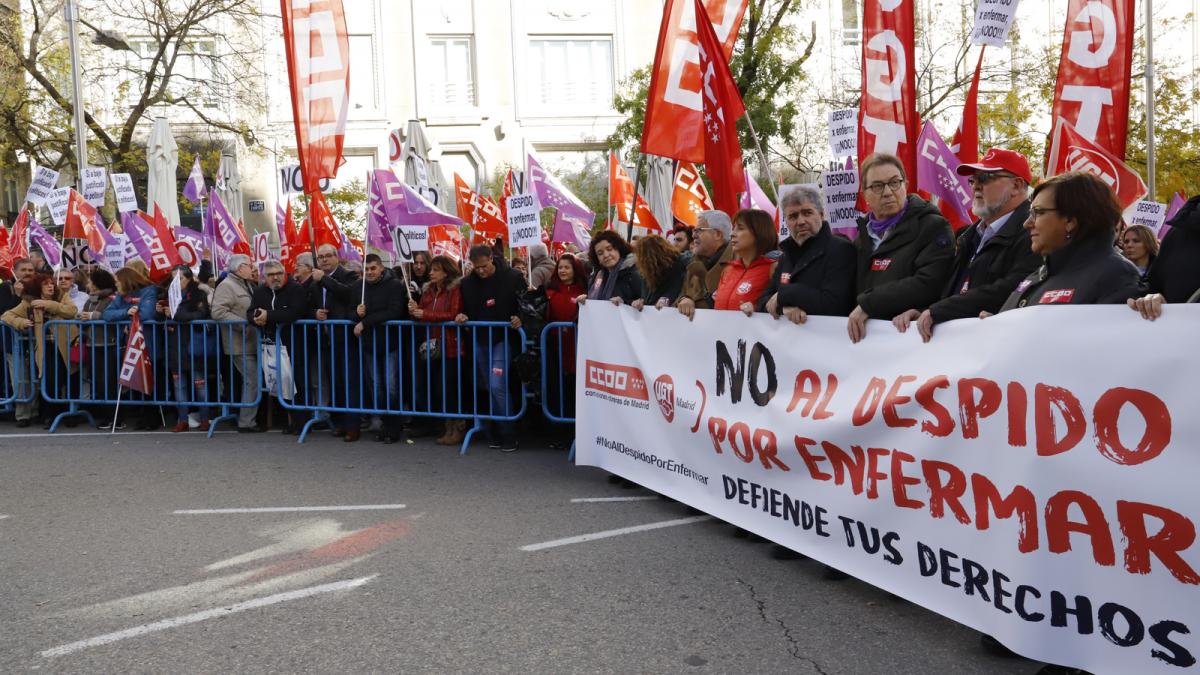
[
  {"x": 1149, "y": 213},
  {"x": 841, "y": 192},
  {"x": 524, "y": 225},
  {"x": 1026, "y": 494},
  {"x": 57, "y": 202},
  {"x": 44, "y": 180},
  {"x": 291, "y": 181},
  {"x": 843, "y": 132},
  {"x": 123, "y": 189},
  {"x": 993, "y": 19},
  {"x": 94, "y": 185}
]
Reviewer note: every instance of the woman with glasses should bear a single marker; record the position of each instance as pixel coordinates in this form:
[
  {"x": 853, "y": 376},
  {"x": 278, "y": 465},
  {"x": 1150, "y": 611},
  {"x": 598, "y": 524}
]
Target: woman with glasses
[
  {"x": 1071, "y": 224},
  {"x": 905, "y": 247}
]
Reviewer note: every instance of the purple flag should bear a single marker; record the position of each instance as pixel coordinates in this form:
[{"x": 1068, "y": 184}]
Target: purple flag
[
  {"x": 349, "y": 251},
  {"x": 224, "y": 229},
  {"x": 553, "y": 194},
  {"x": 1177, "y": 202},
  {"x": 45, "y": 241},
  {"x": 936, "y": 175},
  {"x": 571, "y": 228},
  {"x": 755, "y": 198},
  {"x": 378, "y": 229},
  {"x": 193, "y": 189},
  {"x": 141, "y": 235},
  {"x": 403, "y": 206}
]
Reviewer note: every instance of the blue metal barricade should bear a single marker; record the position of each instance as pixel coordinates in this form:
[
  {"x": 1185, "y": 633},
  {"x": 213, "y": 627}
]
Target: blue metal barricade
[
  {"x": 18, "y": 384},
  {"x": 194, "y": 366},
  {"x": 558, "y": 348},
  {"x": 399, "y": 369}
]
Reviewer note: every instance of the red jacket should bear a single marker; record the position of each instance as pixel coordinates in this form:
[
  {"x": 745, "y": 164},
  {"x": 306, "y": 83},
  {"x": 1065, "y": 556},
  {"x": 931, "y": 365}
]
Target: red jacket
[
  {"x": 439, "y": 306},
  {"x": 743, "y": 284},
  {"x": 563, "y": 307}
]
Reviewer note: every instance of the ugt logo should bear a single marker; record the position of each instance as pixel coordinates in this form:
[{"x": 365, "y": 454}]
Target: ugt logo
[{"x": 664, "y": 393}]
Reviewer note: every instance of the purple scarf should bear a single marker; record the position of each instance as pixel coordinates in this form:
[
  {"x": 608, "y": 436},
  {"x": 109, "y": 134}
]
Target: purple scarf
[{"x": 880, "y": 227}]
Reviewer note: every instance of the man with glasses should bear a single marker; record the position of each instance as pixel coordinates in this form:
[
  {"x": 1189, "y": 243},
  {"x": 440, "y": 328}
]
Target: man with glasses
[
  {"x": 231, "y": 302},
  {"x": 993, "y": 253},
  {"x": 276, "y": 304},
  {"x": 333, "y": 298},
  {"x": 905, "y": 247},
  {"x": 713, "y": 253}
]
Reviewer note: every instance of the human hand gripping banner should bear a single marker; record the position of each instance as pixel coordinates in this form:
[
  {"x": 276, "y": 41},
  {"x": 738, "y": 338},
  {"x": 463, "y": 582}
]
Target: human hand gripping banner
[{"x": 1011, "y": 474}]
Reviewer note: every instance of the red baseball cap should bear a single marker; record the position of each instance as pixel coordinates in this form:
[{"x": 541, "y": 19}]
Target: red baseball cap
[{"x": 999, "y": 159}]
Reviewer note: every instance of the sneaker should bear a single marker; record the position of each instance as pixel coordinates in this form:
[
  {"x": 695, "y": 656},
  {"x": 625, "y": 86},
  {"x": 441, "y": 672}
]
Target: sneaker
[
  {"x": 509, "y": 446},
  {"x": 109, "y": 426}
]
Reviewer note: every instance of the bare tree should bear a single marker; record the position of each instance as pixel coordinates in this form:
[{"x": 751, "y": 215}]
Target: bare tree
[{"x": 204, "y": 56}]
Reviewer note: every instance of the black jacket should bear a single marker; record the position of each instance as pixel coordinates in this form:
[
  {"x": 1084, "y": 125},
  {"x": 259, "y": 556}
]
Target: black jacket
[
  {"x": 909, "y": 269},
  {"x": 1087, "y": 272},
  {"x": 496, "y": 298},
  {"x": 338, "y": 293},
  {"x": 8, "y": 299},
  {"x": 819, "y": 275},
  {"x": 670, "y": 287},
  {"x": 385, "y": 301},
  {"x": 629, "y": 282},
  {"x": 983, "y": 284},
  {"x": 1176, "y": 271},
  {"x": 285, "y": 306}
]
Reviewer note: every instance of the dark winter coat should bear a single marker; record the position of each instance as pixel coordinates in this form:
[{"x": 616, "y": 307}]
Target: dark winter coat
[
  {"x": 816, "y": 276},
  {"x": 285, "y": 306},
  {"x": 1085, "y": 272},
  {"x": 385, "y": 301},
  {"x": 496, "y": 298},
  {"x": 629, "y": 281},
  {"x": 1176, "y": 271},
  {"x": 670, "y": 287},
  {"x": 337, "y": 292},
  {"x": 910, "y": 267},
  {"x": 983, "y": 284}
]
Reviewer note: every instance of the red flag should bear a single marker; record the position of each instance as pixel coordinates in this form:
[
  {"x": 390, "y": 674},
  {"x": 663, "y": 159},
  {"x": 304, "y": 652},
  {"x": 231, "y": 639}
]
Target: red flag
[
  {"x": 965, "y": 145},
  {"x": 481, "y": 213},
  {"x": 446, "y": 240},
  {"x": 620, "y": 194},
  {"x": 318, "y": 58},
  {"x": 81, "y": 217},
  {"x": 507, "y": 191},
  {"x": 136, "y": 372},
  {"x": 689, "y": 196},
  {"x": 324, "y": 227},
  {"x": 1092, "y": 91},
  {"x": 674, "y": 125},
  {"x": 243, "y": 245},
  {"x": 1070, "y": 150},
  {"x": 163, "y": 230},
  {"x": 289, "y": 240},
  {"x": 888, "y": 118},
  {"x": 18, "y": 243},
  {"x": 722, "y": 107}
]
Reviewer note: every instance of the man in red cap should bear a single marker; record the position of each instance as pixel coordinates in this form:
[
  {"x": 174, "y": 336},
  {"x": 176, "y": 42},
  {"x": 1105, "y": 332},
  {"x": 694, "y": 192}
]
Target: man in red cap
[{"x": 993, "y": 254}]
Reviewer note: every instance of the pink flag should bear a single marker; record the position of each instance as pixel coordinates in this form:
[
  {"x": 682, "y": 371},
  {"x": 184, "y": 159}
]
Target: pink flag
[
  {"x": 936, "y": 175},
  {"x": 572, "y": 228},
  {"x": 755, "y": 198},
  {"x": 1177, "y": 201}
]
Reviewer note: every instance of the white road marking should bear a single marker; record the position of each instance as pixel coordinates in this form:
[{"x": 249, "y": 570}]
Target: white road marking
[
  {"x": 614, "y": 533},
  {"x": 290, "y": 509},
  {"x": 218, "y": 612},
  {"x": 3, "y": 517},
  {"x": 103, "y": 433},
  {"x": 598, "y": 500}
]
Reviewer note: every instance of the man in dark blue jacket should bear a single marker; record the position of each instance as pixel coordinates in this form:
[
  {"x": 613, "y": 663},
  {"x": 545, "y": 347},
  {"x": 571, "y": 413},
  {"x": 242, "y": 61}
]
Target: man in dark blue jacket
[{"x": 333, "y": 293}]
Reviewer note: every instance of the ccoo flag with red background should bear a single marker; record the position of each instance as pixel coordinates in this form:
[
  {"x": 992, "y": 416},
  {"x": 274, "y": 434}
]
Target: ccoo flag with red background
[
  {"x": 136, "y": 371},
  {"x": 722, "y": 107},
  {"x": 888, "y": 109}
]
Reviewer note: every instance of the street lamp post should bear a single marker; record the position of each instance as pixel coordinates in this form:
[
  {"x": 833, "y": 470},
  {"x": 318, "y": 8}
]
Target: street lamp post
[{"x": 72, "y": 16}]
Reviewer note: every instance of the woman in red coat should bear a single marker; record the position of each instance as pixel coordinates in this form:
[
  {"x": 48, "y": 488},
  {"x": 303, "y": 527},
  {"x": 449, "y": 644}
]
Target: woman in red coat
[
  {"x": 749, "y": 273},
  {"x": 564, "y": 288},
  {"x": 439, "y": 349}
]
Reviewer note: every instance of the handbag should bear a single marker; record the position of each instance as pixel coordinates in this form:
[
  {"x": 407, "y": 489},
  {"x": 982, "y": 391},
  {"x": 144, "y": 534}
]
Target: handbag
[
  {"x": 75, "y": 352},
  {"x": 430, "y": 349}
]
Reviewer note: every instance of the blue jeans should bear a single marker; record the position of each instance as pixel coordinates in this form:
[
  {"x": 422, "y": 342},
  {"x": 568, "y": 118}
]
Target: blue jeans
[
  {"x": 198, "y": 386},
  {"x": 492, "y": 363}
]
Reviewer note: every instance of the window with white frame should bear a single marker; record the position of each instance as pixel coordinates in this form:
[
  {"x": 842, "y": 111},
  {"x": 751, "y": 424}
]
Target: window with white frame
[
  {"x": 569, "y": 72},
  {"x": 364, "y": 76},
  {"x": 450, "y": 77},
  {"x": 193, "y": 75}
]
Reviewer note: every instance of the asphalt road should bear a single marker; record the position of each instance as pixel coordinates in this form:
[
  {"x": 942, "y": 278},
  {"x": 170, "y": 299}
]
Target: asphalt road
[{"x": 98, "y": 573}]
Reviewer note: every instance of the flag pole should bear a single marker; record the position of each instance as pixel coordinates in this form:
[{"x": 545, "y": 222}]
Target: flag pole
[
  {"x": 763, "y": 158},
  {"x": 117, "y": 410},
  {"x": 1150, "y": 99},
  {"x": 637, "y": 177}
]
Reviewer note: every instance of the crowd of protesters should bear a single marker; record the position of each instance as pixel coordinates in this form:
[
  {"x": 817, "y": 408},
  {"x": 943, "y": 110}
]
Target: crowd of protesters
[{"x": 1061, "y": 242}]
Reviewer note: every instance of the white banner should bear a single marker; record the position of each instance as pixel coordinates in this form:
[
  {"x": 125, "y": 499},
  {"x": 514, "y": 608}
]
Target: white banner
[
  {"x": 993, "y": 19},
  {"x": 123, "y": 190},
  {"x": 843, "y": 132},
  {"x": 58, "y": 201},
  {"x": 840, "y": 189},
  {"x": 1149, "y": 213},
  {"x": 75, "y": 253},
  {"x": 994, "y": 475},
  {"x": 524, "y": 224},
  {"x": 292, "y": 181},
  {"x": 417, "y": 236},
  {"x": 44, "y": 180},
  {"x": 94, "y": 185}
]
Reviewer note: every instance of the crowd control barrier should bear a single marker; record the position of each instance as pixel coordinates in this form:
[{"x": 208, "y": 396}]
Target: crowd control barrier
[
  {"x": 81, "y": 364},
  {"x": 557, "y": 346},
  {"x": 399, "y": 369},
  {"x": 17, "y": 386}
]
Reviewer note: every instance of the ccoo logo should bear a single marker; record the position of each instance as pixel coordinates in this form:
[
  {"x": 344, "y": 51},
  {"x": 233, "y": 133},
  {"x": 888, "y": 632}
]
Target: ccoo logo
[{"x": 664, "y": 393}]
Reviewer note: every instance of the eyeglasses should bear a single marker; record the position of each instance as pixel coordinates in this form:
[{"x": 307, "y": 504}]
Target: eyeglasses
[
  {"x": 1037, "y": 212},
  {"x": 324, "y": 256},
  {"x": 985, "y": 177},
  {"x": 274, "y": 274},
  {"x": 893, "y": 185}
]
